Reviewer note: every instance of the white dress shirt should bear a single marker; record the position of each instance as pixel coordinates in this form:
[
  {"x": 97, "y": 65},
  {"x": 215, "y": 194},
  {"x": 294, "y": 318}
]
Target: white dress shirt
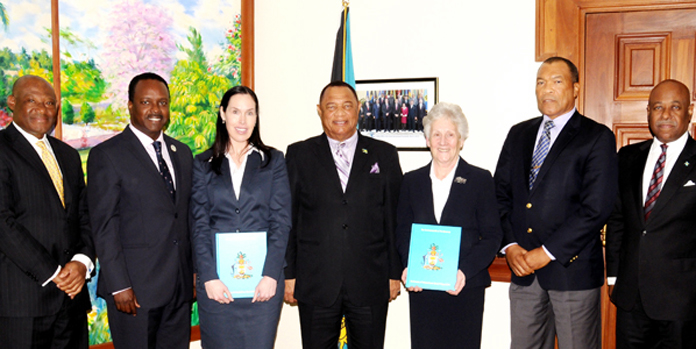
[
  {"x": 79, "y": 257},
  {"x": 441, "y": 189},
  {"x": 237, "y": 173},
  {"x": 147, "y": 143}
]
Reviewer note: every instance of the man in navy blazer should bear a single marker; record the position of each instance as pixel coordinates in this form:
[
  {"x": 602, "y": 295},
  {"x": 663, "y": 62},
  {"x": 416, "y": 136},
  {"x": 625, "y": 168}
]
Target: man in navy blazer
[
  {"x": 553, "y": 208},
  {"x": 341, "y": 257},
  {"x": 138, "y": 202},
  {"x": 651, "y": 250},
  {"x": 46, "y": 251}
]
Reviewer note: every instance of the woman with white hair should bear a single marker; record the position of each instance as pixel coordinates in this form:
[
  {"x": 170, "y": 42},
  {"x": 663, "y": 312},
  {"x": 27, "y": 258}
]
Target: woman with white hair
[{"x": 448, "y": 191}]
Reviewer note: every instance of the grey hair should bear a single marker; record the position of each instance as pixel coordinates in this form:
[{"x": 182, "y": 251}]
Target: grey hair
[{"x": 450, "y": 111}]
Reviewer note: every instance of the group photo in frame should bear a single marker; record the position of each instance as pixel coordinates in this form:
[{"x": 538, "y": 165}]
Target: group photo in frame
[{"x": 392, "y": 110}]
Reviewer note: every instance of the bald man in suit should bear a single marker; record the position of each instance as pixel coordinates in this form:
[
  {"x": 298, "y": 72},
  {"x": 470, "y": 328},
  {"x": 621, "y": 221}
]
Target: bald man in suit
[
  {"x": 651, "y": 234},
  {"x": 46, "y": 252}
]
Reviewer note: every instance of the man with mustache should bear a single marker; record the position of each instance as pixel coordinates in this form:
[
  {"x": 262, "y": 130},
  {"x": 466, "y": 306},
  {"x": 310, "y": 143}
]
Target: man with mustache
[
  {"x": 556, "y": 183},
  {"x": 651, "y": 235},
  {"x": 138, "y": 194}
]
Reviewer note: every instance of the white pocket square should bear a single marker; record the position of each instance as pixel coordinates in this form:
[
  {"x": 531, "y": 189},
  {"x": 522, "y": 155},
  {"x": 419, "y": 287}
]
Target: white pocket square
[{"x": 690, "y": 183}]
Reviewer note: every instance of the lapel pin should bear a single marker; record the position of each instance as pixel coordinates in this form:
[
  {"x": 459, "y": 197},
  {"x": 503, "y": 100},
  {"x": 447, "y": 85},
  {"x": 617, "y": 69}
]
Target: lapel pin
[
  {"x": 364, "y": 151},
  {"x": 173, "y": 148},
  {"x": 460, "y": 180},
  {"x": 686, "y": 163}
]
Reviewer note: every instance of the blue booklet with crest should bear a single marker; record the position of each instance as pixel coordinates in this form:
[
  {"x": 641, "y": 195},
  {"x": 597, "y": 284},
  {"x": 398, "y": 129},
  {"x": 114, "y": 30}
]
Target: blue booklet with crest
[
  {"x": 240, "y": 259},
  {"x": 433, "y": 256}
]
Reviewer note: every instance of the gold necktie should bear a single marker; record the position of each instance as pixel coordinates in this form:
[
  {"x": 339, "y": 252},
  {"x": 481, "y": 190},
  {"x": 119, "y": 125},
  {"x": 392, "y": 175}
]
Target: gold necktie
[{"x": 53, "y": 170}]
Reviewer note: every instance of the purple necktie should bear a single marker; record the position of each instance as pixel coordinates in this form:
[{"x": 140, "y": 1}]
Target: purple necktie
[{"x": 342, "y": 165}]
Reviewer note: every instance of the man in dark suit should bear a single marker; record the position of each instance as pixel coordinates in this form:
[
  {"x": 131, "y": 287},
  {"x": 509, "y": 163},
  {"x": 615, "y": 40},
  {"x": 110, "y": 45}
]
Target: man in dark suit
[
  {"x": 341, "y": 257},
  {"x": 422, "y": 112},
  {"x": 387, "y": 111},
  {"x": 556, "y": 182},
  {"x": 651, "y": 235},
  {"x": 412, "y": 115},
  {"x": 139, "y": 189},
  {"x": 46, "y": 251},
  {"x": 377, "y": 114}
]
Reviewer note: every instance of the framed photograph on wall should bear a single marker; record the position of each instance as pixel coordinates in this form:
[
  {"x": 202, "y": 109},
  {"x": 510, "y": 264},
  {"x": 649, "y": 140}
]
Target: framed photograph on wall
[{"x": 392, "y": 110}]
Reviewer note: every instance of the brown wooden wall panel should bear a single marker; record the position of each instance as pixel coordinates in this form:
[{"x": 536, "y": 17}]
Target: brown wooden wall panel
[
  {"x": 646, "y": 61},
  {"x": 499, "y": 270},
  {"x": 630, "y": 133}
]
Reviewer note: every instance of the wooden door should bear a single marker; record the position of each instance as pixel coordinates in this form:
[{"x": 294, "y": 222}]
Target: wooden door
[
  {"x": 626, "y": 55},
  {"x": 623, "y": 48}
]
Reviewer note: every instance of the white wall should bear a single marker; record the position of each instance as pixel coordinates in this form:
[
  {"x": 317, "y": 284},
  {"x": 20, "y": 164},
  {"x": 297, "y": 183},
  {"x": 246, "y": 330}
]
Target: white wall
[{"x": 483, "y": 53}]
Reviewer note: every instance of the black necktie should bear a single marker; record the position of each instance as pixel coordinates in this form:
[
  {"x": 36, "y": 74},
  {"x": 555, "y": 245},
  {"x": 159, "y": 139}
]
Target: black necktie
[{"x": 163, "y": 169}]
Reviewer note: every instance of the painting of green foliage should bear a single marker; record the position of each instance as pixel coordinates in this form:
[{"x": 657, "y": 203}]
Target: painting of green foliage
[{"x": 195, "y": 45}]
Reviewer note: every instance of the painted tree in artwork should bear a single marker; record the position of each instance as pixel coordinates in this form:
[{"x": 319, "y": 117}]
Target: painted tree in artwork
[
  {"x": 140, "y": 40},
  {"x": 229, "y": 64},
  {"x": 196, "y": 91}
]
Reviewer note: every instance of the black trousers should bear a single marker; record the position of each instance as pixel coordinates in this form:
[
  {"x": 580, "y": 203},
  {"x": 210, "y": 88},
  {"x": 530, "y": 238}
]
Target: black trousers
[
  {"x": 321, "y": 326},
  {"x": 65, "y": 330},
  {"x": 635, "y": 329}
]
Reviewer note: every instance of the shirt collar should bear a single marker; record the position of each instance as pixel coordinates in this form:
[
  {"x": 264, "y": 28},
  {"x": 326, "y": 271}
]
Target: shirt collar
[
  {"x": 560, "y": 121},
  {"x": 679, "y": 144},
  {"x": 352, "y": 141},
  {"x": 448, "y": 178},
  {"x": 30, "y": 137},
  {"x": 145, "y": 139}
]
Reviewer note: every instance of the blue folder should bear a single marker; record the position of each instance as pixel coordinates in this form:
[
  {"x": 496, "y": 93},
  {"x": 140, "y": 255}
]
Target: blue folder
[
  {"x": 433, "y": 256},
  {"x": 240, "y": 259}
]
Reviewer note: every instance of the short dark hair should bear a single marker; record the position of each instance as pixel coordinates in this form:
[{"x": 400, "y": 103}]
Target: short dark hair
[
  {"x": 573, "y": 69},
  {"x": 144, "y": 76},
  {"x": 338, "y": 83}
]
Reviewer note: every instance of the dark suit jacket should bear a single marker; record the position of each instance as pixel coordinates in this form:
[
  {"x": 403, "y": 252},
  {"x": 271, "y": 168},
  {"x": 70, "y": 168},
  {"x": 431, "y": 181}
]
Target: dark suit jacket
[
  {"x": 470, "y": 205},
  {"x": 572, "y": 198},
  {"x": 264, "y": 205},
  {"x": 376, "y": 111},
  {"x": 36, "y": 233},
  {"x": 343, "y": 239},
  {"x": 656, "y": 258},
  {"x": 141, "y": 235}
]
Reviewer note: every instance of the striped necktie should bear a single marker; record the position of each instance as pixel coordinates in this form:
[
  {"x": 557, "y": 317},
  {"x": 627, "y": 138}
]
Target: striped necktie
[
  {"x": 540, "y": 152},
  {"x": 655, "y": 182},
  {"x": 342, "y": 165},
  {"x": 53, "y": 170}
]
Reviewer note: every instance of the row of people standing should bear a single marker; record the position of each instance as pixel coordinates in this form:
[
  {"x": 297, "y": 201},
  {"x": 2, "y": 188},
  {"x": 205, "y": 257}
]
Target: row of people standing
[
  {"x": 341, "y": 206},
  {"x": 389, "y": 114}
]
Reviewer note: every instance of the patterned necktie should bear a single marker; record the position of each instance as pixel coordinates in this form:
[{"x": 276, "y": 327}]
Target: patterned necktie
[
  {"x": 655, "y": 182},
  {"x": 53, "y": 170},
  {"x": 342, "y": 165},
  {"x": 163, "y": 169},
  {"x": 540, "y": 152}
]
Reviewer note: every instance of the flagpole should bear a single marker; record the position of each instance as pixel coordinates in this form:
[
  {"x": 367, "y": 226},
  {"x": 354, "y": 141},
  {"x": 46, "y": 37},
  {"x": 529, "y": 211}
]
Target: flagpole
[{"x": 346, "y": 3}]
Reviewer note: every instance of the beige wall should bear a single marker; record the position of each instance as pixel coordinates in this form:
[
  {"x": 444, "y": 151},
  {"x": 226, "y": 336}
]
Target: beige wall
[{"x": 483, "y": 53}]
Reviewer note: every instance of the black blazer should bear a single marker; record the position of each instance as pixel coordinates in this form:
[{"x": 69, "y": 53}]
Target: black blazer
[
  {"x": 264, "y": 205},
  {"x": 572, "y": 198},
  {"x": 141, "y": 235},
  {"x": 343, "y": 239},
  {"x": 36, "y": 233},
  {"x": 470, "y": 205},
  {"x": 656, "y": 258}
]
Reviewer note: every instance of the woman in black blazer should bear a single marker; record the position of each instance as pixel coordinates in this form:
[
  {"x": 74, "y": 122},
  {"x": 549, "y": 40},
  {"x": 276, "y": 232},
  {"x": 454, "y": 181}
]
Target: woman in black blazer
[
  {"x": 449, "y": 191},
  {"x": 239, "y": 185}
]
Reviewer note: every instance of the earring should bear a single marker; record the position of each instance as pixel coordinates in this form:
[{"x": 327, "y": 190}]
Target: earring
[{"x": 223, "y": 121}]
